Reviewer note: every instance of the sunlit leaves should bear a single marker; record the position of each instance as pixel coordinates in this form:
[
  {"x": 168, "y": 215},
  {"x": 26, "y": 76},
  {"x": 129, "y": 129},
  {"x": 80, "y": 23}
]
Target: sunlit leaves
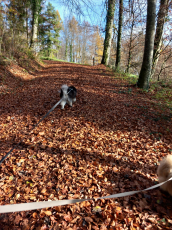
[{"x": 107, "y": 143}]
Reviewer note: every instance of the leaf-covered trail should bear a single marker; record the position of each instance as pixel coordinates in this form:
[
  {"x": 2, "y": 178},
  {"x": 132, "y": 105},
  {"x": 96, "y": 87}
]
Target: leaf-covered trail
[{"x": 110, "y": 141}]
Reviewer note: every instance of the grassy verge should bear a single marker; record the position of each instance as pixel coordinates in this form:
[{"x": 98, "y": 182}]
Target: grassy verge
[
  {"x": 160, "y": 90},
  {"x": 51, "y": 59},
  {"x": 55, "y": 59}
]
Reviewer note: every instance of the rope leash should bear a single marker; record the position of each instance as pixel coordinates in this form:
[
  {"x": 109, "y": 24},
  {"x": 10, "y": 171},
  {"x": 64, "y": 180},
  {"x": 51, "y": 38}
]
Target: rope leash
[
  {"x": 49, "y": 204},
  {"x": 3, "y": 158}
]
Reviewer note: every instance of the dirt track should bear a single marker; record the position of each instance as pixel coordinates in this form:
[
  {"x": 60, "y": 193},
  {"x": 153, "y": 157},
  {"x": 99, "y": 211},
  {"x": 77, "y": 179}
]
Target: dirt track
[{"x": 110, "y": 141}]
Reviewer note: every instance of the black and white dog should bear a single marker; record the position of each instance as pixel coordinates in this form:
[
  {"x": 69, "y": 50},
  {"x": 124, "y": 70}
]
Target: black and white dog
[{"x": 68, "y": 95}]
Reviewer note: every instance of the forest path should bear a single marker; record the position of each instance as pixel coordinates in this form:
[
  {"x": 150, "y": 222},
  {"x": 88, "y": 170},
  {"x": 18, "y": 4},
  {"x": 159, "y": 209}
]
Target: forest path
[{"x": 110, "y": 141}]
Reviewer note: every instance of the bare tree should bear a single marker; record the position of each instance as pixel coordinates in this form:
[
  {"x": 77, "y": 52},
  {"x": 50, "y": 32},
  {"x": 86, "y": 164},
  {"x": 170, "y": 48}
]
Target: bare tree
[
  {"x": 78, "y": 7},
  {"x": 36, "y": 7},
  {"x": 109, "y": 30},
  {"x": 2, "y": 26},
  {"x": 162, "y": 14},
  {"x": 164, "y": 65},
  {"x": 132, "y": 24},
  {"x": 145, "y": 73},
  {"x": 118, "y": 54}
]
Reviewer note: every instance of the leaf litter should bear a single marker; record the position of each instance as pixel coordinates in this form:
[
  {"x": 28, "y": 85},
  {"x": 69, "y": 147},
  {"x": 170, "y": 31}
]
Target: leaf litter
[{"x": 108, "y": 142}]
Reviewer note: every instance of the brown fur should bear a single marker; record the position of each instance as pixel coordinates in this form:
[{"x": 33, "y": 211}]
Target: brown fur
[{"x": 165, "y": 172}]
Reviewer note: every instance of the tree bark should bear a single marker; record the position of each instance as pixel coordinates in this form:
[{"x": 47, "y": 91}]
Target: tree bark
[
  {"x": 2, "y": 25},
  {"x": 145, "y": 73},
  {"x": 35, "y": 15},
  {"x": 71, "y": 52},
  {"x": 118, "y": 54},
  {"x": 27, "y": 25},
  {"x": 109, "y": 30},
  {"x": 130, "y": 50},
  {"x": 163, "y": 11},
  {"x": 131, "y": 39},
  {"x": 66, "y": 49}
]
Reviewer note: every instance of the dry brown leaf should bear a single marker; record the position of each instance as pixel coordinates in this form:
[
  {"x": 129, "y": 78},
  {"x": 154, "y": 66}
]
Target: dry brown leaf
[{"x": 88, "y": 219}]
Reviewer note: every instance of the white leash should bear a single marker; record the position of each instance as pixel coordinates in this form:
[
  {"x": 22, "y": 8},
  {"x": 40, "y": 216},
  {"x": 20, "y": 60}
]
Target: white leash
[
  {"x": 48, "y": 204},
  {"x": 31, "y": 130},
  {"x": 3, "y": 158}
]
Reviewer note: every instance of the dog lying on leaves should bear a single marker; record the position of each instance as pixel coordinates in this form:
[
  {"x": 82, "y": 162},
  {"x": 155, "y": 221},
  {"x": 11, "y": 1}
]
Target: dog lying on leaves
[
  {"x": 68, "y": 95},
  {"x": 164, "y": 173}
]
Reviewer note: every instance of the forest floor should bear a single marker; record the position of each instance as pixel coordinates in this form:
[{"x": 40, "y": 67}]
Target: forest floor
[{"x": 110, "y": 141}]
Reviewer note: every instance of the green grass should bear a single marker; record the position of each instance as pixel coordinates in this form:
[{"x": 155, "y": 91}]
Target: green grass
[
  {"x": 55, "y": 59},
  {"x": 130, "y": 78},
  {"x": 49, "y": 58},
  {"x": 162, "y": 91}
]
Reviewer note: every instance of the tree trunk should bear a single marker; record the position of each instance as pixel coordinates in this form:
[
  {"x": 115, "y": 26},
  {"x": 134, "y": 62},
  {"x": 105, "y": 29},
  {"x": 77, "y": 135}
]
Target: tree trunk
[
  {"x": 35, "y": 15},
  {"x": 131, "y": 39},
  {"x": 130, "y": 52},
  {"x": 145, "y": 73},
  {"x": 0, "y": 45},
  {"x": 2, "y": 30},
  {"x": 163, "y": 11},
  {"x": 27, "y": 25},
  {"x": 70, "y": 52},
  {"x": 118, "y": 54},
  {"x": 66, "y": 50},
  {"x": 109, "y": 30}
]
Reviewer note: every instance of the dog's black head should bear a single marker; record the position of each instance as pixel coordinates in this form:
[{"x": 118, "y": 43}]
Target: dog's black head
[{"x": 72, "y": 92}]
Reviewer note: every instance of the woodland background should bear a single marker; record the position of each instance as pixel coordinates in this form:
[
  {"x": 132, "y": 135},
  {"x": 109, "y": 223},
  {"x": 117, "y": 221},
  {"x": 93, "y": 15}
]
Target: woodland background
[
  {"x": 114, "y": 136},
  {"x": 37, "y": 25}
]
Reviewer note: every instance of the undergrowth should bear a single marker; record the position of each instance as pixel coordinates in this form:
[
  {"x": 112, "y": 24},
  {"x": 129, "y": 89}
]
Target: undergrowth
[
  {"x": 56, "y": 59},
  {"x": 50, "y": 58},
  {"x": 160, "y": 90}
]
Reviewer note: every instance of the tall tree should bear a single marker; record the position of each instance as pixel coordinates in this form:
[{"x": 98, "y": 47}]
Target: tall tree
[
  {"x": 118, "y": 54},
  {"x": 71, "y": 53},
  {"x": 73, "y": 33},
  {"x": 66, "y": 49},
  {"x": 145, "y": 73},
  {"x": 49, "y": 28},
  {"x": 162, "y": 14},
  {"x": 97, "y": 48},
  {"x": 109, "y": 31},
  {"x": 2, "y": 25},
  {"x": 36, "y": 8},
  {"x": 132, "y": 23},
  {"x": 65, "y": 40},
  {"x": 86, "y": 38}
]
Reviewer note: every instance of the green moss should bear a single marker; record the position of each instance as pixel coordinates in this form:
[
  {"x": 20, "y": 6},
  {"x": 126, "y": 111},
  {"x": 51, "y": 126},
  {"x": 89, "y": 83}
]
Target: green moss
[{"x": 162, "y": 91}]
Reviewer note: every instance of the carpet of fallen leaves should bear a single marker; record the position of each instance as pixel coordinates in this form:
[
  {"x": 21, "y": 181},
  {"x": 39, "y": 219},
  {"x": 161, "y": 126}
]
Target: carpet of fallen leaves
[{"x": 110, "y": 141}]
